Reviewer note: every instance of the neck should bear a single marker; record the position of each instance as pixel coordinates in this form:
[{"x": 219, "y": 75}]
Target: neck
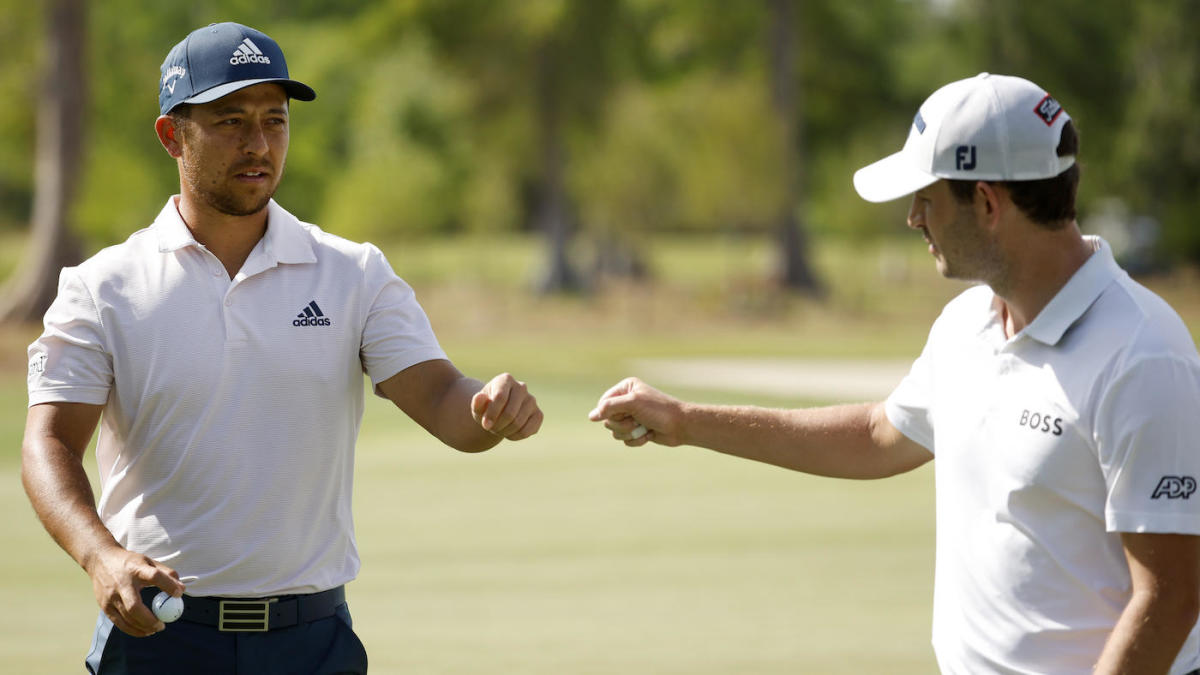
[
  {"x": 1040, "y": 264},
  {"x": 229, "y": 238}
]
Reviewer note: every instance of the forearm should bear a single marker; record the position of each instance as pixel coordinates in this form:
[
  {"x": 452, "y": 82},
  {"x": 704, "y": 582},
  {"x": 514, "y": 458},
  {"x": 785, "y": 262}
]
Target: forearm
[
  {"x": 62, "y": 497},
  {"x": 1149, "y": 634},
  {"x": 846, "y": 441},
  {"x": 460, "y": 411},
  {"x": 456, "y": 426}
]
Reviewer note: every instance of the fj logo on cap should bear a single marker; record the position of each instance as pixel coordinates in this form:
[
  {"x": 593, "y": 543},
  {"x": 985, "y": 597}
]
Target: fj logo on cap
[
  {"x": 1048, "y": 109},
  {"x": 248, "y": 52},
  {"x": 919, "y": 123},
  {"x": 964, "y": 157}
]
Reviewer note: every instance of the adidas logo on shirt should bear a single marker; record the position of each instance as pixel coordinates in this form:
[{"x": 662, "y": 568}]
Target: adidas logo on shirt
[
  {"x": 311, "y": 316},
  {"x": 248, "y": 52}
]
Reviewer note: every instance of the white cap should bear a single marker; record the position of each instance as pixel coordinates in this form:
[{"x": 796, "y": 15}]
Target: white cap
[{"x": 988, "y": 127}]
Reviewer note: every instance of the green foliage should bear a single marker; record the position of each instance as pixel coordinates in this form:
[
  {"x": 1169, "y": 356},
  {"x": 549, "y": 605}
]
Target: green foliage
[
  {"x": 405, "y": 156},
  {"x": 20, "y": 56},
  {"x": 692, "y": 157},
  {"x": 427, "y": 118},
  {"x": 1161, "y": 150}
]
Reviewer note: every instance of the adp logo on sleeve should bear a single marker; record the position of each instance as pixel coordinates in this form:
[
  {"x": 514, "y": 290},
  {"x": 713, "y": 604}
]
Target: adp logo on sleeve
[{"x": 1175, "y": 487}]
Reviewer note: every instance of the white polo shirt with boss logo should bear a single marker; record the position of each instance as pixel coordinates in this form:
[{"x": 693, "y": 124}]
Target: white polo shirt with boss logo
[
  {"x": 1048, "y": 445},
  {"x": 226, "y": 447}
]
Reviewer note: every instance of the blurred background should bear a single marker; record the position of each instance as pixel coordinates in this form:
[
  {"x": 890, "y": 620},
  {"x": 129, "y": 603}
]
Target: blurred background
[
  {"x": 579, "y": 191},
  {"x": 598, "y": 125}
]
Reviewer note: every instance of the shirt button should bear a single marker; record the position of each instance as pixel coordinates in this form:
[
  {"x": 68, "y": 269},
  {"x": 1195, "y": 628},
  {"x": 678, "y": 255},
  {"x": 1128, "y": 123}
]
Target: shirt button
[
  {"x": 216, "y": 272},
  {"x": 228, "y": 302}
]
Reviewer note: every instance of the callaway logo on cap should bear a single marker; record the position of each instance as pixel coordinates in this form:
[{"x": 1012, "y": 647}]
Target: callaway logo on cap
[
  {"x": 219, "y": 59},
  {"x": 988, "y": 127}
]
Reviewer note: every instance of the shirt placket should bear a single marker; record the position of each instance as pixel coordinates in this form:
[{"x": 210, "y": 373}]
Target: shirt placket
[{"x": 224, "y": 291}]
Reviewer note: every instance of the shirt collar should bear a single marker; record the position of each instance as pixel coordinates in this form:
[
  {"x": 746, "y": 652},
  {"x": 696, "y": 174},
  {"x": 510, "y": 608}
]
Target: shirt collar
[
  {"x": 285, "y": 241},
  {"x": 170, "y": 229},
  {"x": 1074, "y": 298}
]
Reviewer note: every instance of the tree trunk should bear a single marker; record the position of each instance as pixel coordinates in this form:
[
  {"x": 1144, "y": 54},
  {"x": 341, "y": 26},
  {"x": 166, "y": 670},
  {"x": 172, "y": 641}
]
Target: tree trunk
[
  {"x": 59, "y": 154},
  {"x": 794, "y": 272},
  {"x": 551, "y": 213}
]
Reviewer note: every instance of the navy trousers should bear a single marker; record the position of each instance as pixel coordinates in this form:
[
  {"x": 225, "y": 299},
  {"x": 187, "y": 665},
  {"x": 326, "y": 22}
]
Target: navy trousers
[{"x": 324, "y": 647}]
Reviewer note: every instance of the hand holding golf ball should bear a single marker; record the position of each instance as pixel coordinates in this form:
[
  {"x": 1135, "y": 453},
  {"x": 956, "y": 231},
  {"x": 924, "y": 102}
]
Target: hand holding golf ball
[
  {"x": 637, "y": 414},
  {"x": 166, "y": 607}
]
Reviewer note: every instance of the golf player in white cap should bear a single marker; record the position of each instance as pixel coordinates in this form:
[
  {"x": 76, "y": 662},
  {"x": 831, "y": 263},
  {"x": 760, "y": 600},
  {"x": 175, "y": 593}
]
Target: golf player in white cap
[{"x": 1060, "y": 398}]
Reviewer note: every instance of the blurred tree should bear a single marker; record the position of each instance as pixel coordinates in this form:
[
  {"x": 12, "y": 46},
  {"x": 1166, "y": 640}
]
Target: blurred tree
[
  {"x": 126, "y": 176},
  {"x": 548, "y": 62},
  {"x": 794, "y": 270},
  {"x": 60, "y": 136},
  {"x": 403, "y": 157},
  {"x": 689, "y": 144},
  {"x": 19, "y": 43},
  {"x": 618, "y": 117},
  {"x": 1160, "y": 149}
]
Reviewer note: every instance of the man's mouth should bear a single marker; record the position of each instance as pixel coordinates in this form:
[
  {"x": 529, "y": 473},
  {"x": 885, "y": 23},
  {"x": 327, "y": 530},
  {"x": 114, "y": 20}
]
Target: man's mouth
[
  {"x": 252, "y": 175},
  {"x": 928, "y": 240}
]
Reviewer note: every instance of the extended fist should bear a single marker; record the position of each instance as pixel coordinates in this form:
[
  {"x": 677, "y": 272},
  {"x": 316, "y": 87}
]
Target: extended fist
[
  {"x": 505, "y": 407},
  {"x": 637, "y": 414}
]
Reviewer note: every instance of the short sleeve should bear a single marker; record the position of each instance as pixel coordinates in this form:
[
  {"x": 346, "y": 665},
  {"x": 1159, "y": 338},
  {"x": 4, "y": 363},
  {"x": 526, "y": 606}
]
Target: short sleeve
[
  {"x": 70, "y": 362},
  {"x": 1148, "y": 439},
  {"x": 396, "y": 333},
  {"x": 908, "y": 407}
]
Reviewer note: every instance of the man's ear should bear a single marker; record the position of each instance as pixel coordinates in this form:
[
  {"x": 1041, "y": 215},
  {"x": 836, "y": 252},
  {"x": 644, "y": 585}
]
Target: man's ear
[
  {"x": 988, "y": 202},
  {"x": 169, "y": 135}
]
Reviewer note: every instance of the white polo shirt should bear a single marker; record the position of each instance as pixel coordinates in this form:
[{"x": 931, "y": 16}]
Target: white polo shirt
[
  {"x": 226, "y": 446},
  {"x": 1084, "y": 425}
]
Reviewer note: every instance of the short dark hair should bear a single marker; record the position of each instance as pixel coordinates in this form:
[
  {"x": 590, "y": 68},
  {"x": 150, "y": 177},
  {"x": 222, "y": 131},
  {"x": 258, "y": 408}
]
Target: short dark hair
[
  {"x": 1049, "y": 202},
  {"x": 182, "y": 111}
]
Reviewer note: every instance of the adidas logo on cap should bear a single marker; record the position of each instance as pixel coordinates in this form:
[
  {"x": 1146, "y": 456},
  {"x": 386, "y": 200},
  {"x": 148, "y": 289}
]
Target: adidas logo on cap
[
  {"x": 248, "y": 52},
  {"x": 311, "y": 316}
]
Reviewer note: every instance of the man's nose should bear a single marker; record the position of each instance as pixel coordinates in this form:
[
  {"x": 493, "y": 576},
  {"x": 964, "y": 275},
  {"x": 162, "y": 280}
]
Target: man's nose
[
  {"x": 914, "y": 216},
  {"x": 255, "y": 140}
]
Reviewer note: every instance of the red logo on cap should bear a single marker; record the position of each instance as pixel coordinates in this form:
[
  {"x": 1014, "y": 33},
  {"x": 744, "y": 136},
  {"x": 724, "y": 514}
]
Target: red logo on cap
[{"x": 1048, "y": 109}]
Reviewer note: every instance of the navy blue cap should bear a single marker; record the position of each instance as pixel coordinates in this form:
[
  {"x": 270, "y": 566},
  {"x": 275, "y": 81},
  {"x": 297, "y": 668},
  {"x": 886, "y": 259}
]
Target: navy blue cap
[{"x": 219, "y": 59}]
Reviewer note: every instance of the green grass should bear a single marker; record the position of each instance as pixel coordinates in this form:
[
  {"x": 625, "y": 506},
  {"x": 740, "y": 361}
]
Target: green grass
[{"x": 569, "y": 553}]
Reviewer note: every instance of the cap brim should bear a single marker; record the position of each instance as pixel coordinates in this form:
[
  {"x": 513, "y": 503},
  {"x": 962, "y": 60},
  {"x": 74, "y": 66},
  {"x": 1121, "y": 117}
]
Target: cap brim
[
  {"x": 294, "y": 89},
  {"x": 890, "y": 178}
]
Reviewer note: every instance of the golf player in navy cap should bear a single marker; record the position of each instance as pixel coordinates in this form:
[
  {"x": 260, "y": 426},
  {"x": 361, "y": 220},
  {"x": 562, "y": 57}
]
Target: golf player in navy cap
[
  {"x": 1060, "y": 398},
  {"x": 221, "y": 350}
]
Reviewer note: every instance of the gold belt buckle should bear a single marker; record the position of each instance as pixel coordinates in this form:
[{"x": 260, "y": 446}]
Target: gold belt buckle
[{"x": 245, "y": 615}]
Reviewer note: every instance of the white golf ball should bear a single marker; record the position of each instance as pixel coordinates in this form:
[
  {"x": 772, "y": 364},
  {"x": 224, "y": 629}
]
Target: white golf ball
[
  {"x": 637, "y": 432},
  {"x": 167, "y": 608}
]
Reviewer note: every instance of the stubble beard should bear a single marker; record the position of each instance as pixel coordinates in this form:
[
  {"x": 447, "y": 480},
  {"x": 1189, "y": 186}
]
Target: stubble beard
[
  {"x": 230, "y": 205},
  {"x": 224, "y": 199},
  {"x": 973, "y": 255}
]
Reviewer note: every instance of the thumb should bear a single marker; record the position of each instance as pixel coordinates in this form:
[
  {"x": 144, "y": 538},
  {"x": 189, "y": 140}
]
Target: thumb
[
  {"x": 612, "y": 407},
  {"x": 617, "y": 390},
  {"x": 479, "y": 402}
]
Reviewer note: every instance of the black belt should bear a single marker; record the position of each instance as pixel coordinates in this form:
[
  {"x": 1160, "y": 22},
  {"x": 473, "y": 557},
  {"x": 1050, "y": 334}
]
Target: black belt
[{"x": 258, "y": 614}]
